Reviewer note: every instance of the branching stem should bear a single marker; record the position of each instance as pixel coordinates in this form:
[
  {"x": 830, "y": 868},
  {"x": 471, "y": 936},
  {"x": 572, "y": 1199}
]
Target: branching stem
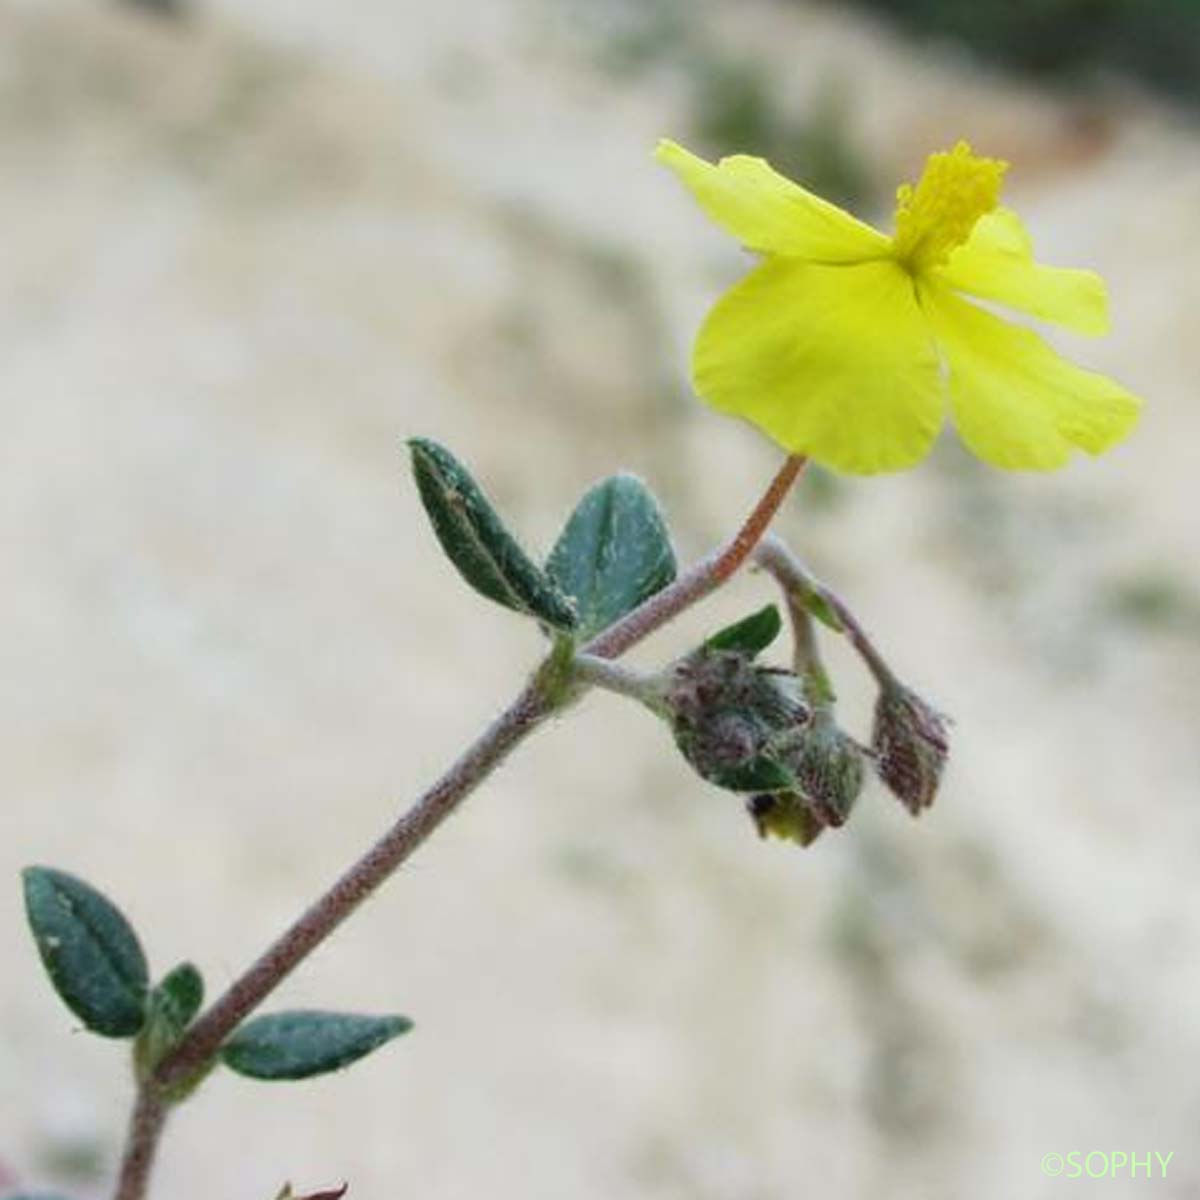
[
  {"x": 528, "y": 711},
  {"x": 797, "y": 582},
  {"x": 603, "y": 673}
]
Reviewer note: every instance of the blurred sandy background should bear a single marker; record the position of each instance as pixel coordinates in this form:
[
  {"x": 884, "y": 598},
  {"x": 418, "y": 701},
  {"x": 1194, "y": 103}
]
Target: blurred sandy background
[{"x": 243, "y": 256}]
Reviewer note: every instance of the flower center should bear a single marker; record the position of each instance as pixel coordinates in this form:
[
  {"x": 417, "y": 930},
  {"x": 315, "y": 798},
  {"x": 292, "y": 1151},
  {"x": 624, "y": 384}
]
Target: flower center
[{"x": 933, "y": 218}]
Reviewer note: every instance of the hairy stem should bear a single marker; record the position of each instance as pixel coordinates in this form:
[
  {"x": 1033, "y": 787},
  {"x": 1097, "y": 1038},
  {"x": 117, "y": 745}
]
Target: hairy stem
[
  {"x": 354, "y": 886},
  {"x": 530, "y": 709},
  {"x": 797, "y": 582},
  {"x": 601, "y": 673},
  {"x": 141, "y": 1144},
  {"x": 806, "y": 654}
]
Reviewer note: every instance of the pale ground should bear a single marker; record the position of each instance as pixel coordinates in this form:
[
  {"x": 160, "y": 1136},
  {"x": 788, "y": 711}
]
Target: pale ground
[{"x": 241, "y": 261}]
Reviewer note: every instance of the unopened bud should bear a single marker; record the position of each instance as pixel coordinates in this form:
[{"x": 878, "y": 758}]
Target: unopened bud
[
  {"x": 911, "y": 741},
  {"x": 730, "y": 718},
  {"x": 828, "y": 767}
]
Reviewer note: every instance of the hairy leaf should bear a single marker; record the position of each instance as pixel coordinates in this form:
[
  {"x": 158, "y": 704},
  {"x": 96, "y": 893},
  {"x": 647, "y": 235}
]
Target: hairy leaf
[
  {"x": 477, "y": 542},
  {"x": 297, "y": 1045},
  {"x": 613, "y": 553},
  {"x": 89, "y": 950}
]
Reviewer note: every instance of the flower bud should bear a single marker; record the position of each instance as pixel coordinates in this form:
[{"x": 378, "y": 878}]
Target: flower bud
[
  {"x": 732, "y": 719},
  {"x": 828, "y": 766},
  {"x": 751, "y": 729},
  {"x": 911, "y": 741}
]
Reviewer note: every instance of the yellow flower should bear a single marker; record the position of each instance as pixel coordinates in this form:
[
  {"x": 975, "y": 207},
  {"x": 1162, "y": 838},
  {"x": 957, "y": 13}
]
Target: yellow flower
[{"x": 847, "y": 345}]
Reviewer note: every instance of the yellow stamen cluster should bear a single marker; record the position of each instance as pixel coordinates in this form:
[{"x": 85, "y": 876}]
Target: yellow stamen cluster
[{"x": 932, "y": 219}]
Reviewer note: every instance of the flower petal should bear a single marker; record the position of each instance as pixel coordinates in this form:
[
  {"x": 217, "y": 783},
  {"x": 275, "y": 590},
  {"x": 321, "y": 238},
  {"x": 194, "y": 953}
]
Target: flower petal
[
  {"x": 1016, "y": 403},
  {"x": 996, "y": 263},
  {"x": 834, "y": 362},
  {"x": 769, "y": 213}
]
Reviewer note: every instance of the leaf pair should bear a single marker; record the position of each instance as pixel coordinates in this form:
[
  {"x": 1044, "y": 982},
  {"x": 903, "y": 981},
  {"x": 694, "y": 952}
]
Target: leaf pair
[
  {"x": 613, "y": 553},
  {"x": 98, "y": 968}
]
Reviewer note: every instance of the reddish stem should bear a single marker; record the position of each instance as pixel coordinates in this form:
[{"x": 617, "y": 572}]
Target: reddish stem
[{"x": 703, "y": 578}]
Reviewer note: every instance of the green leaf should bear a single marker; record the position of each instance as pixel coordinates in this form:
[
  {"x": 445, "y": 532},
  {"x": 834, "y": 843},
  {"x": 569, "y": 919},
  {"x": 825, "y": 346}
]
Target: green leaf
[
  {"x": 169, "y": 1011},
  {"x": 761, "y": 774},
  {"x": 750, "y": 636},
  {"x": 613, "y": 553},
  {"x": 89, "y": 951},
  {"x": 819, "y": 607},
  {"x": 178, "y": 998},
  {"x": 476, "y": 541},
  {"x": 296, "y": 1045}
]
